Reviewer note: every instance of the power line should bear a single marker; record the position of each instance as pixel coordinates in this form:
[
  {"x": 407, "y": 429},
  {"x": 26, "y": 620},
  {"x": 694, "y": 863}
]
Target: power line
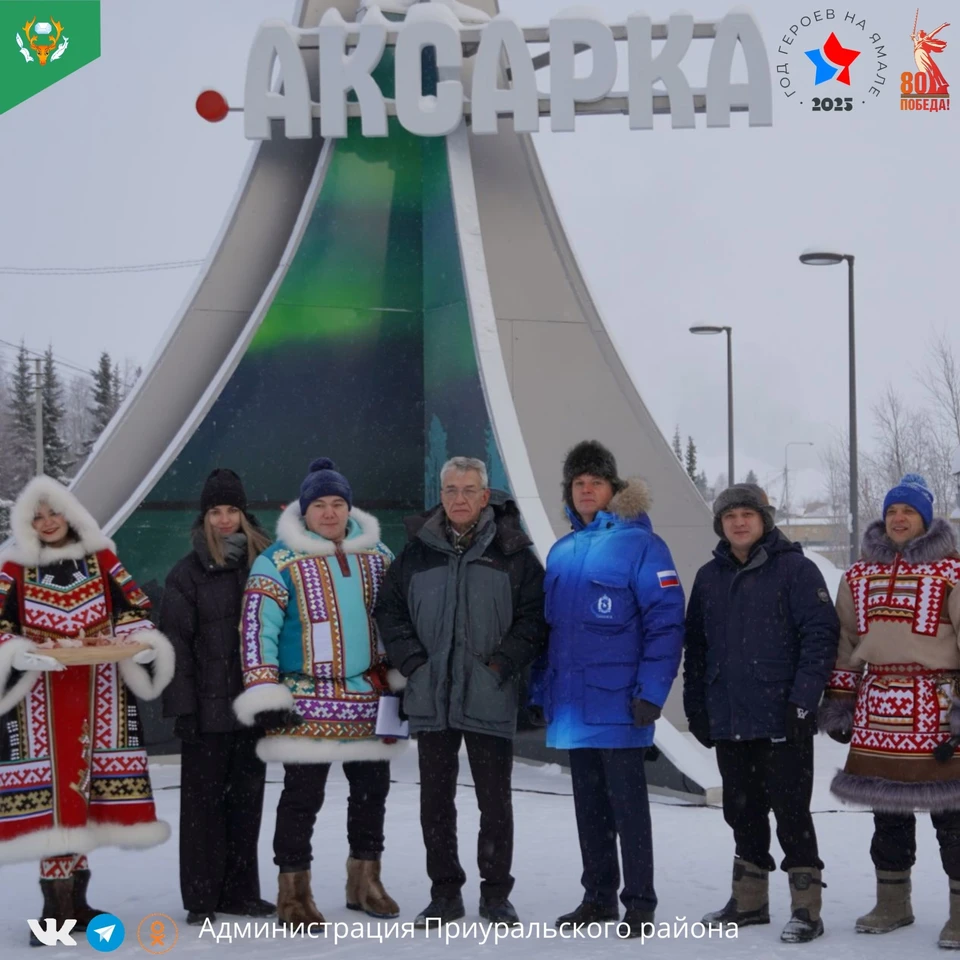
[
  {"x": 93, "y": 271},
  {"x": 42, "y": 356}
]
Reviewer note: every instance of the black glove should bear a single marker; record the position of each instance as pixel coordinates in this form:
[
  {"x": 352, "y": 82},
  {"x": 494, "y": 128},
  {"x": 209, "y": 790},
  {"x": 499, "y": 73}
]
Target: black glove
[
  {"x": 412, "y": 664},
  {"x": 699, "y": 725},
  {"x": 277, "y": 719},
  {"x": 800, "y": 723},
  {"x": 841, "y": 736},
  {"x": 187, "y": 728},
  {"x": 644, "y": 713}
]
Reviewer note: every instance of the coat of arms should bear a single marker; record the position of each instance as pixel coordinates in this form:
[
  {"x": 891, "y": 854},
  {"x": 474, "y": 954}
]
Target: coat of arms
[{"x": 46, "y": 49}]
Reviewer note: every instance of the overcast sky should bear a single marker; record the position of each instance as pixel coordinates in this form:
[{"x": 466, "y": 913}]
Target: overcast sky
[{"x": 672, "y": 228}]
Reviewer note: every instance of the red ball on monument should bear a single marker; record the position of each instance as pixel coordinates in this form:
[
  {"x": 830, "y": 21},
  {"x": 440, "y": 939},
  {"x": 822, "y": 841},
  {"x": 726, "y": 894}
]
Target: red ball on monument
[{"x": 212, "y": 106}]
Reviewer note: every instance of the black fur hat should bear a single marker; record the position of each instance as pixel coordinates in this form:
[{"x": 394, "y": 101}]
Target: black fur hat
[
  {"x": 747, "y": 495},
  {"x": 589, "y": 456}
]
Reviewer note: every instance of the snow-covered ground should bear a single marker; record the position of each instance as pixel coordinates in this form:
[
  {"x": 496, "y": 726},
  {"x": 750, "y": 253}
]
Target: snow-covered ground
[{"x": 693, "y": 859}]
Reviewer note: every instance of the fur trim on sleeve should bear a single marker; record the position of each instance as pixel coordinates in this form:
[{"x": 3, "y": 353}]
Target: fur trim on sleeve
[
  {"x": 262, "y": 696},
  {"x": 146, "y": 683},
  {"x": 8, "y": 650}
]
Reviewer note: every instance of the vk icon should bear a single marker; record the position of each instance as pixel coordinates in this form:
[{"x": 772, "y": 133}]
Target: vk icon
[{"x": 105, "y": 932}]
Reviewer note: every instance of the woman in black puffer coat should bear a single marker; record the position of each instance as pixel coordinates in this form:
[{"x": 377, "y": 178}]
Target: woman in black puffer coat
[{"x": 222, "y": 779}]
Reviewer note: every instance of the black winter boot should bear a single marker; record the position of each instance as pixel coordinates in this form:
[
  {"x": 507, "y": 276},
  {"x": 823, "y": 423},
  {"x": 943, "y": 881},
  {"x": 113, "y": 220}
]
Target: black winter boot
[
  {"x": 589, "y": 912},
  {"x": 82, "y": 911},
  {"x": 57, "y": 903},
  {"x": 441, "y": 909},
  {"x": 196, "y": 918},
  {"x": 498, "y": 910},
  {"x": 634, "y": 920}
]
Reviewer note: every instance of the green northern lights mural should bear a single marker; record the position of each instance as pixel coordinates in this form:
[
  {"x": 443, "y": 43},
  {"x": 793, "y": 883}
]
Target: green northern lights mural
[{"x": 365, "y": 356}]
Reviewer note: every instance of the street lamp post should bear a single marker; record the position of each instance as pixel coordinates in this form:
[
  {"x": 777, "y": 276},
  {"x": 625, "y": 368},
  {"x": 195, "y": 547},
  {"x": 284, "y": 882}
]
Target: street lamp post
[
  {"x": 731, "y": 476},
  {"x": 821, "y": 258},
  {"x": 786, "y": 473}
]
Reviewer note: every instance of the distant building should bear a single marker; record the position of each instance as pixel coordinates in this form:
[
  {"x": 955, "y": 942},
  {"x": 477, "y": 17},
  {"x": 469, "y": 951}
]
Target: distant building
[{"x": 819, "y": 528}]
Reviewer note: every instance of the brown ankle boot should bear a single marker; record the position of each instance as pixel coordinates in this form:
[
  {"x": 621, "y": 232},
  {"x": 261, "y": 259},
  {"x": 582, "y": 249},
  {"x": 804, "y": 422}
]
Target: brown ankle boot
[
  {"x": 365, "y": 891},
  {"x": 295, "y": 900}
]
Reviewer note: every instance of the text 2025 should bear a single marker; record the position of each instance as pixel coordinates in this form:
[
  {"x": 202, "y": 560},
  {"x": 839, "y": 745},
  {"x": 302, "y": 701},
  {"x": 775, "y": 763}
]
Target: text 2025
[{"x": 828, "y": 104}]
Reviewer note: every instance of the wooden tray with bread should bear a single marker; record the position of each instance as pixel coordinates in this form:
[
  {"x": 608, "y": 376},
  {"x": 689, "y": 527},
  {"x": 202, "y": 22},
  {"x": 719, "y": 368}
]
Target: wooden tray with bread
[{"x": 91, "y": 652}]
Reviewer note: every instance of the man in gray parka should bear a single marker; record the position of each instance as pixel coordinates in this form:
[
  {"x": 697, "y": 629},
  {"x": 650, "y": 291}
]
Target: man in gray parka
[{"x": 461, "y": 616}]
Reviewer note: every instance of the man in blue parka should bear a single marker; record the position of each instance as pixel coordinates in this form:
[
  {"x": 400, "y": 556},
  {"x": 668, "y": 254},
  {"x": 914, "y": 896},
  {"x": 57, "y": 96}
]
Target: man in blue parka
[
  {"x": 614, "y": 606},
  {"x": 761, "y": 641}
]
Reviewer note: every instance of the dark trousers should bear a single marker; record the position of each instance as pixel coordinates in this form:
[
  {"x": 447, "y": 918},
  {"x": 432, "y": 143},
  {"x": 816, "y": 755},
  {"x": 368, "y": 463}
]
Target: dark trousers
[
  {"x": 610, "y": 799},
  {"x": 491, "y": 764},
  {"x": 759, "y": 776},
  {"x": 221, "y": 802},
  {"x": 304, "y": 785},
  {"x": 894, "y": 845}
]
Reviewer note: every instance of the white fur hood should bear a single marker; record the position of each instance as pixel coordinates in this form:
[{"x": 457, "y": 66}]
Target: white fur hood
[
  {"x": 27, "y": 548},
  {"x": 293, "y": 532}
]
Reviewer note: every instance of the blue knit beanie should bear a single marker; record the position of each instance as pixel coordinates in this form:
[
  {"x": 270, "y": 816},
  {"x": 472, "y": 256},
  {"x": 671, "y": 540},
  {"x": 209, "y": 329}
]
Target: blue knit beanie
[
  {"x": 913, "y": 491},
  {"x": 324, "y": 481}
]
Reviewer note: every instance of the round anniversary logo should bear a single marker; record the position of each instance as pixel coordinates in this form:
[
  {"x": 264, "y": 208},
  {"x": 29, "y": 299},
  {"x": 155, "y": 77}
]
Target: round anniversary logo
[{"x": 832, "y": 60}]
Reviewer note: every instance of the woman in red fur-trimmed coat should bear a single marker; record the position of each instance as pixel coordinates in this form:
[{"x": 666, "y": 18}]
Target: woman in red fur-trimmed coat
[{"x": 73, "y": 766}]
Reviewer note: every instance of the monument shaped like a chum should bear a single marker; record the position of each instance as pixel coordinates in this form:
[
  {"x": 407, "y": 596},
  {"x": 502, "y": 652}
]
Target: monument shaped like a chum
[{"x": 392, "y": 300}]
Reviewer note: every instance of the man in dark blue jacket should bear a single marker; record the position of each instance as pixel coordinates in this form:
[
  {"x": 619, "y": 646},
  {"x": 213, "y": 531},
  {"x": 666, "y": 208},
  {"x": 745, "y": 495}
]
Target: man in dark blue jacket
[
  {"x": 614, "y": 605},
  {"x": 761, "y": 640}
]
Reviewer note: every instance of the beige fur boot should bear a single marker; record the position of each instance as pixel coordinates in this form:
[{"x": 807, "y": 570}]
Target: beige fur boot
[
  {"x": 365, "y": 891},
  {"x": 295, "y": 900}
]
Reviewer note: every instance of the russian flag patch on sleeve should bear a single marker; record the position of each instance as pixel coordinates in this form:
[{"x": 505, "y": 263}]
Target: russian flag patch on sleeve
[{"x": 668, "y": 578}]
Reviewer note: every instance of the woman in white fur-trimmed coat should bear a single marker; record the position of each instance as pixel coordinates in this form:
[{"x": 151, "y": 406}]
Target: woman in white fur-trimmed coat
[
  {"x": 314, "y": 670},
  {"x": 73, "y": 767}
]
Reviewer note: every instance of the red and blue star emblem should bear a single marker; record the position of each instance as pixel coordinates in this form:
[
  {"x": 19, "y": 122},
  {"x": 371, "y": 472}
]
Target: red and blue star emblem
[{"x": 832, "y": 61}]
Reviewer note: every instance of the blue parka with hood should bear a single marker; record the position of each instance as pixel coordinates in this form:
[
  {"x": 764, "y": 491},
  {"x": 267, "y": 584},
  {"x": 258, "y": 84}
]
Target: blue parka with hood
[{"x": 614, "y": 606}]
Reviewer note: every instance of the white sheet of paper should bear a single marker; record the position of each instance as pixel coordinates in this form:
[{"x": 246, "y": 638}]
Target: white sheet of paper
[{"x": 389, "y": 723}]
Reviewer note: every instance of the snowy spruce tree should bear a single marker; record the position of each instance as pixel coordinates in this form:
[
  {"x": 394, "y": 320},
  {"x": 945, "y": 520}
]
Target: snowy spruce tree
[
  {"x": 691, "y": 459},
  {"x": 751, "y": 478},
  {"x": 56, "y": 456},
  {"x": 20, "y": 456},
  {"x": 677, "y": 449},
  {"x": 105, "y": 400}
]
